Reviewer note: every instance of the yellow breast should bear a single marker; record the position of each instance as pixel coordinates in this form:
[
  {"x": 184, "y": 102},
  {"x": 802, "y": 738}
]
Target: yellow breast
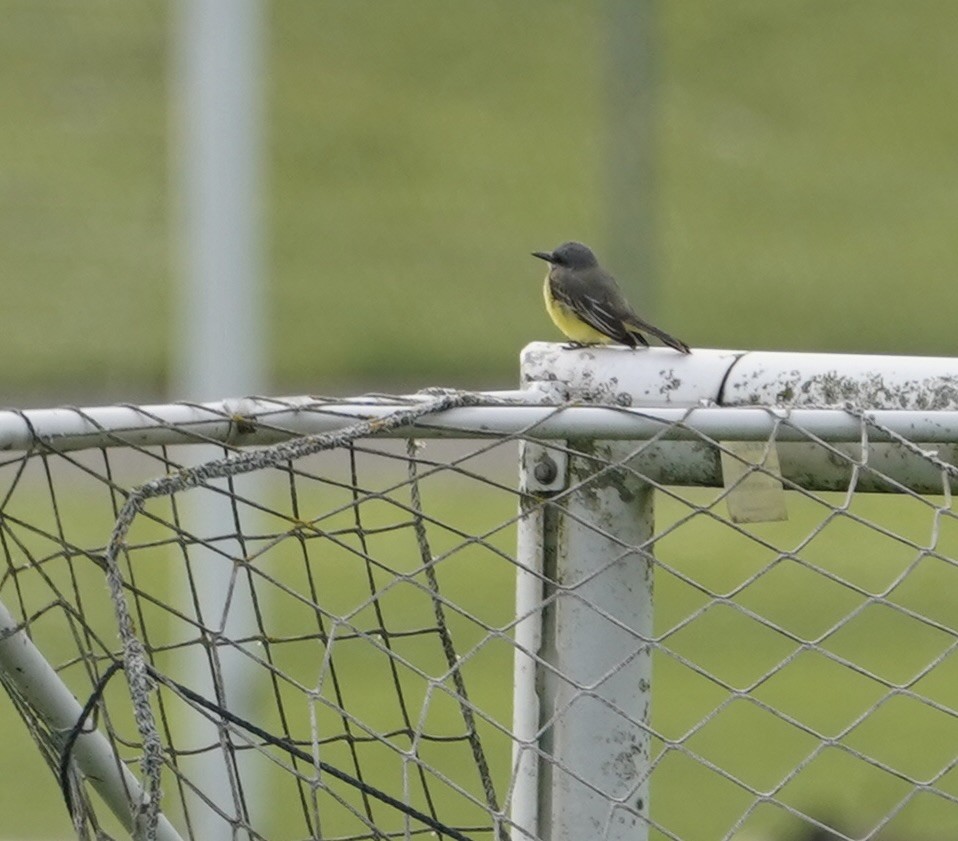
[{"x": 568, "y": 322}]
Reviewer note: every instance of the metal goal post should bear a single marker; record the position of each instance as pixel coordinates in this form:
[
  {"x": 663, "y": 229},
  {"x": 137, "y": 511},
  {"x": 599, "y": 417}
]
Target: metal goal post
[{"x": 694, "y": 553}]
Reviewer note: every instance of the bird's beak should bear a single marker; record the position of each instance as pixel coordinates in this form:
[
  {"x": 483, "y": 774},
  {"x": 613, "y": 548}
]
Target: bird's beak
[{"x": 543, "y": 255}]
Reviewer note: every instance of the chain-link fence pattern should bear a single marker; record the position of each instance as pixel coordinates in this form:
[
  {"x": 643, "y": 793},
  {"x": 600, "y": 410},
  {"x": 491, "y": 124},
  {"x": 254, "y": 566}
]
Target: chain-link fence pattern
[{"x": 347, "y": 669}]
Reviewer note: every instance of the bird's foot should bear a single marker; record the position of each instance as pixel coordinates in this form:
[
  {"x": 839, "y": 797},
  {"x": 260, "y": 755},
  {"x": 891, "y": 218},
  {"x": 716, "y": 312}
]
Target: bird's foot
[{"x": 578, "y": 345}]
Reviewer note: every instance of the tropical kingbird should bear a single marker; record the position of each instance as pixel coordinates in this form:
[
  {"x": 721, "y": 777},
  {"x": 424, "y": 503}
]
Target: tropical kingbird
[{"x": 586, "y": 304}]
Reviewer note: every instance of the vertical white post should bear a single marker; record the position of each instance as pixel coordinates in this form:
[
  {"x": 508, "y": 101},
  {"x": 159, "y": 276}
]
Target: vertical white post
[
  {"x": 218, "y": 70},
  {"x": 525, "y": 697},
  {"x": 218, "y": 67},
  {"x": 593, "y": 670}
]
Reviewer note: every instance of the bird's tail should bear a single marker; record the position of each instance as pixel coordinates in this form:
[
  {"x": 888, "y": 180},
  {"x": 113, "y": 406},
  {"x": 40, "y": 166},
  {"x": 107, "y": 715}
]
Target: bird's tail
[{"x": 665, "y": 338}]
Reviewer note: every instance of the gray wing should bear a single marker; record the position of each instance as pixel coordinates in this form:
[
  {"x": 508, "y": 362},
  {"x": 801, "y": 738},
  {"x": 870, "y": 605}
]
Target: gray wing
[{"x": 596, "y": 298}]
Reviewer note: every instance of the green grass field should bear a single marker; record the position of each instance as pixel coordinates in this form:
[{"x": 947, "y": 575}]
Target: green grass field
[
  {"x": 805, "y": 197},
  {"x": 416, "y": 154}
]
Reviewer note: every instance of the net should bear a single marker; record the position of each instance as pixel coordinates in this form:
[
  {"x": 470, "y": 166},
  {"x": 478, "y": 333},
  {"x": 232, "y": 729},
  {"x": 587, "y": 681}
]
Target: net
[{"x": 319, "y": 636}]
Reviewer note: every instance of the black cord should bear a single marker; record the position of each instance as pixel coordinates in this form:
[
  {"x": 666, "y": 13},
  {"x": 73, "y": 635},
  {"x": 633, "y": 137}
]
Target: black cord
[
  {"x": 269, "y": 738},
  {"x": 75, "y": 733}
]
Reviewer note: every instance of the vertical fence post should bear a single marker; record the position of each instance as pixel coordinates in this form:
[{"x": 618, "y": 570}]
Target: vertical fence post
[
  {"x": 593, "y": 667},
  {"x": 218, "y": 69},
  {"x": 528, "y": 634}
]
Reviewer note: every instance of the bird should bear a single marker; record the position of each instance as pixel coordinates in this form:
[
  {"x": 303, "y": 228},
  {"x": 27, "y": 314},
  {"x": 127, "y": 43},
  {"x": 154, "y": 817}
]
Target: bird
[{"x": 586, "y": 303}]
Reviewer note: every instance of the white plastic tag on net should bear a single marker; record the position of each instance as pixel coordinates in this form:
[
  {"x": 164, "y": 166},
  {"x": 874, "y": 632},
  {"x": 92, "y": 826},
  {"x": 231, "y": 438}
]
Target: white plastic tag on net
[{"x": 751, "y": 474}]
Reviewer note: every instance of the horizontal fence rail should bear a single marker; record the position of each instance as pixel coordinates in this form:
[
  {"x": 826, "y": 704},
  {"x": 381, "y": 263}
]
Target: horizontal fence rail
[{"x": 257, "y": 422}]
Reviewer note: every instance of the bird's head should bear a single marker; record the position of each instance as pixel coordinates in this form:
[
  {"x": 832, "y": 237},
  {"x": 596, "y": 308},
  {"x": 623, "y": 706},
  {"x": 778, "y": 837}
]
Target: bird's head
[{"x": 572, "y": 255}]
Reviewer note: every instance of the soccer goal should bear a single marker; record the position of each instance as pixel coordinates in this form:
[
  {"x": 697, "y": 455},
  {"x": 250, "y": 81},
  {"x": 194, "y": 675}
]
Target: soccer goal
[{"x": 643, "y": 596}]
